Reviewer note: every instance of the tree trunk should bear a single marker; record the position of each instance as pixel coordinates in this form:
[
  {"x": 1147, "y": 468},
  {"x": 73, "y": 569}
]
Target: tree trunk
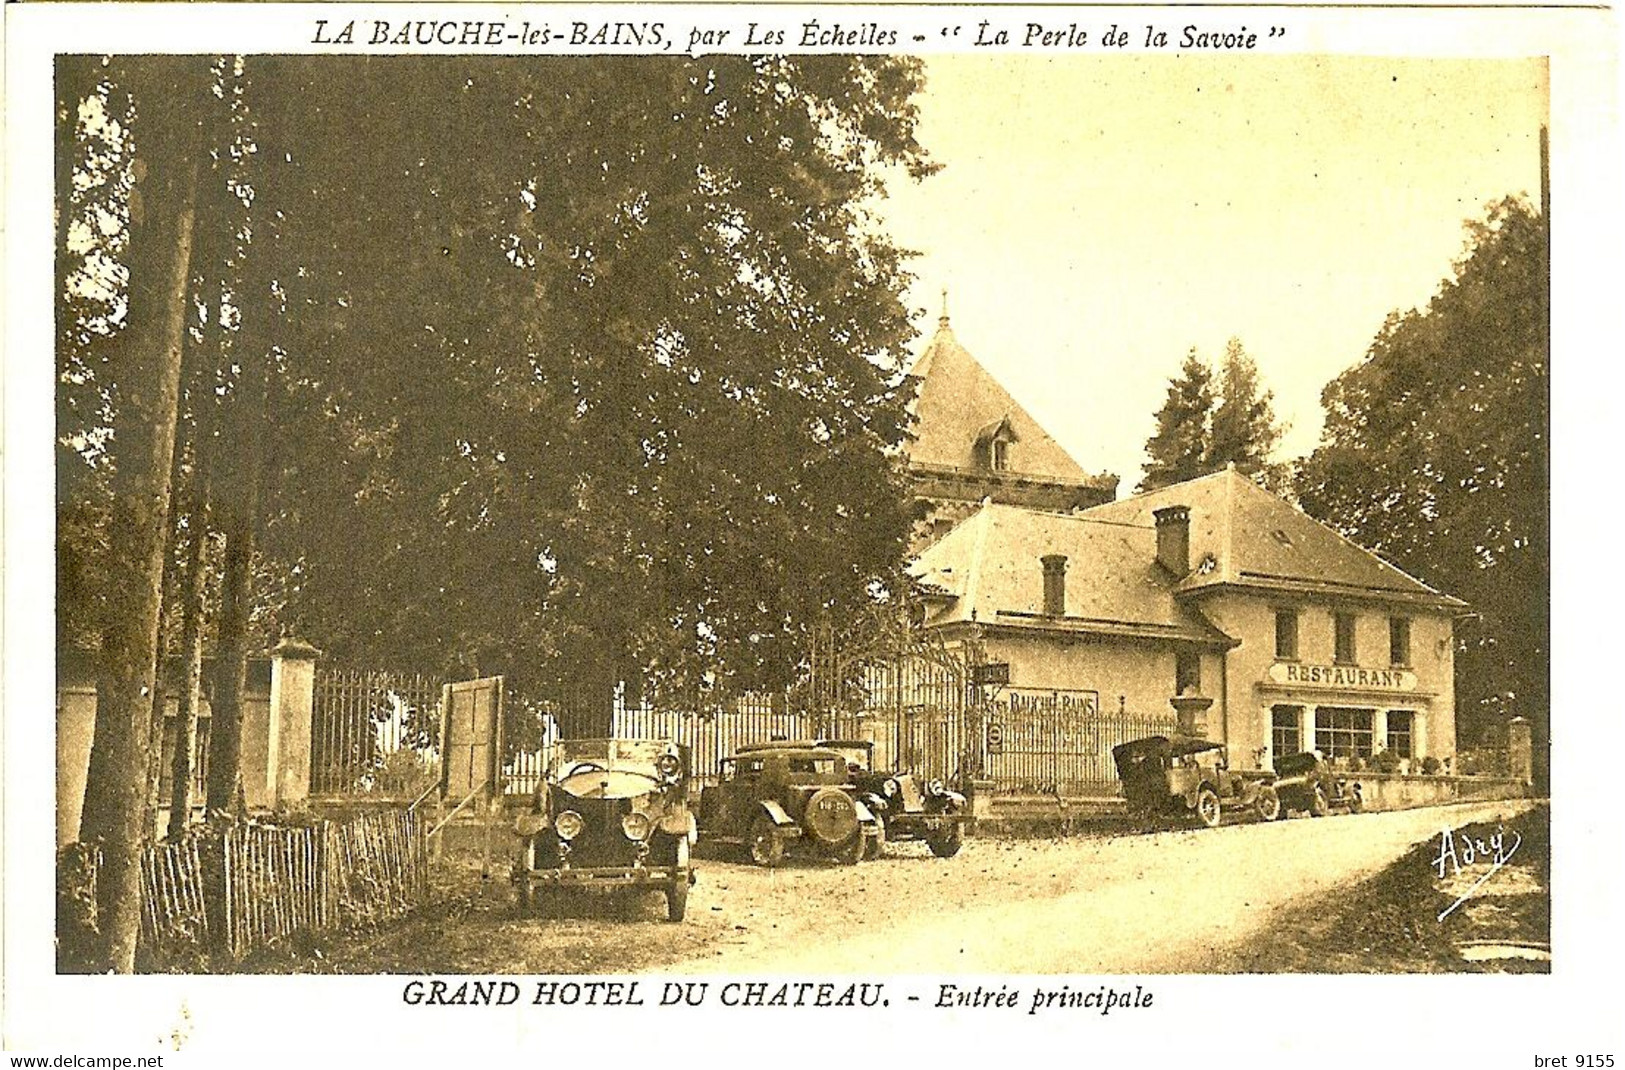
[
  {"x": 158, "y": 258},
  {"x": 231, "y": 680},
  {"x": 173, "y": 534},
  {"x": 238, "y": 501},
  {"x": 194, "y": 597}
]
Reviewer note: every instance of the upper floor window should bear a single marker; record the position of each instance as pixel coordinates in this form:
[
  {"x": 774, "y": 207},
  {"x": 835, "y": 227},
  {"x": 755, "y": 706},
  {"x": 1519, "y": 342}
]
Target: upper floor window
[
  {"x": 1399, "y": 641},
  {"x": 1344, "y": 652},
  {"x": 999, "y": 454},
  {"x": 1286, "y": 634}
]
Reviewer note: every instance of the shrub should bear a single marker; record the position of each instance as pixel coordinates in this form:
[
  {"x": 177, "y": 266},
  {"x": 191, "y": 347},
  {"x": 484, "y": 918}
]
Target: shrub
[
  {"x": 78, "y": 930},
  {"x": 1385, "y": 762}
]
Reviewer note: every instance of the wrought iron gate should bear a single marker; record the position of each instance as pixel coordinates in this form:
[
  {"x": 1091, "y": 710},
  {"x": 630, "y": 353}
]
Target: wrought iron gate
[{"x": 907, "y": 692}]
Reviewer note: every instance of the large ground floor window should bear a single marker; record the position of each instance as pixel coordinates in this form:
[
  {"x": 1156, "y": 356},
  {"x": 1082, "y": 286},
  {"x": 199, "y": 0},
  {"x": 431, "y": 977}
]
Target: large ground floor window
[
  {"x": 1402, "y": 732},
  {"x": 1286, "y": 730},
  {"x": 1343, "y": 731}
]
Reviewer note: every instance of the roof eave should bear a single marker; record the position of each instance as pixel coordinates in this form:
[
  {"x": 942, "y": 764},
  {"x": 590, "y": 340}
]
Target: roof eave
[{"x": 1320, "y": 587}]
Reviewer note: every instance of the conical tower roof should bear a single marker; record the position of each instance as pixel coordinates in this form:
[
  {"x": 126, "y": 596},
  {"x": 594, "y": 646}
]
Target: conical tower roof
[{"x": 958, "y": 403}]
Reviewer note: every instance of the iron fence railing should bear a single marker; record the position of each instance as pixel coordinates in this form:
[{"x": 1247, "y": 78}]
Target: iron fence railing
[{"x": 373, "y": 733}]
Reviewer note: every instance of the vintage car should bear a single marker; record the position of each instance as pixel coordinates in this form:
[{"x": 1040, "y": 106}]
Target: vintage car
[
  {"x": 1180, "y": 777},
  {"x": 905, "y": 808},
  {"x": 1307, "y": 782},
  {"x": 774, "y": 796},
  {"x": 609, "y": 814}
]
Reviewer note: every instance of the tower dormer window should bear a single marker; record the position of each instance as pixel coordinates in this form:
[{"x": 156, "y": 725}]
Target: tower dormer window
[{"x": 992, "y": 446}]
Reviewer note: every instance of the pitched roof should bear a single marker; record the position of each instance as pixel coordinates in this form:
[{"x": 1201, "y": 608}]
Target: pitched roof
[
  {"x": 1240, "y": 533},
  {"x": 957, "y": 400},
  {"x": 987, "y": 569}
]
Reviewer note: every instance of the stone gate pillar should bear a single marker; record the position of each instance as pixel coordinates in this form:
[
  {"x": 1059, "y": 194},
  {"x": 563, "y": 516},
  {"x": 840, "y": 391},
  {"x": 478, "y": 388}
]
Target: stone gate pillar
[
  {"x": 293, "y": 693},
  {"x": 1520, "y": 751}
]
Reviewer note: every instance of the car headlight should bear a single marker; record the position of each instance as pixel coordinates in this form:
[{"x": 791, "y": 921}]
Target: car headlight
[
  {"x": 668, "y": 766},
  {"x": 935, "y": 787},
  {"x": 568, "y": 825},
  {"x": 890, "y": 788},
  {"x": 636, "y": 826}
]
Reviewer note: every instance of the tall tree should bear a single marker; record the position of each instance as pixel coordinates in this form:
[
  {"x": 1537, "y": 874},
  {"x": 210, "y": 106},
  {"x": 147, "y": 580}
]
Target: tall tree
[
  {"x": 168, "y": 95},
  {"x": 601, "y": 359},
  {"x": 1209, "y": 422},
  {"x": 1245, "y": 431},
  {"x": 1435, "y": 454},
  {"x": 1179, "y": 449}
]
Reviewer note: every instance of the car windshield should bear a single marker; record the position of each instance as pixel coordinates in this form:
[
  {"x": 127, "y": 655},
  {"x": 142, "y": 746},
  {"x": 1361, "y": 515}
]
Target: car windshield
[
  {"x": 609, "y": 753},
  {"x": 851, "y": 753}
]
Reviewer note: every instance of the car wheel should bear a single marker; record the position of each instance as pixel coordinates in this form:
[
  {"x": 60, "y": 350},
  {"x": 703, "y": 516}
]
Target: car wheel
[
  {"x": 1356, "y": 800},
  {"x": 766, "y": 845},
  {"x": 946, "y": 844},
  {"x": 877, "y": 843},
  {"x": 1268, "y": 804},
  {"x": 851, "y": 852},
  {"x": 1319, "y": 805},
  {"x": 1207, "y": 808}
]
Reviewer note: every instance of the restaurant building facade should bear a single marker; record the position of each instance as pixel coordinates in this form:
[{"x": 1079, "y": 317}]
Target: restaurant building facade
[{"x": 1278, "y": 634}]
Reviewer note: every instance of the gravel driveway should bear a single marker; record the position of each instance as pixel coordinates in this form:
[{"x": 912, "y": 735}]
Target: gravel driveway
[{"x": 1123, "y": 904}]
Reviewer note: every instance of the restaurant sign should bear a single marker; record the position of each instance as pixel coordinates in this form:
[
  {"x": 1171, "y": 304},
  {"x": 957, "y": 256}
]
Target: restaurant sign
[{"x": 1350, "y": 677}]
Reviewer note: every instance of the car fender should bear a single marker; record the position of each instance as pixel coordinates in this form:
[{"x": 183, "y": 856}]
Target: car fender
[
  {"x": 1196, "y": 789},
  {"x": 530, "y": 823},
  {"x": 866, "y": 816},
  {"x": 875, "y": 803},
  {"x": 777, "y": 814}
]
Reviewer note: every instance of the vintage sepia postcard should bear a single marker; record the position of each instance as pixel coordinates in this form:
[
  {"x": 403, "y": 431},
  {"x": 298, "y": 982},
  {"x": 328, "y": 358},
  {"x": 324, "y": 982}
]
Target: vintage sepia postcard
[{"x": 1006, "y": 526}]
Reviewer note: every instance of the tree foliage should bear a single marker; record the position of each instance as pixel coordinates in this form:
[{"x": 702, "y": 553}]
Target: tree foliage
[
  {"x": 1435, "y": 455},
  {"x": 600, "y": 357},
  {"x": 1210, "y": 421}
]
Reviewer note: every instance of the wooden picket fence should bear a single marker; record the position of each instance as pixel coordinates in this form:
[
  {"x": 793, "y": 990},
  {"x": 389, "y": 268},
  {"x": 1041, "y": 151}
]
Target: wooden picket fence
[
  {"x": 172, "y": 883},
  {"x": 264, "y": 882},
  {"x": 364, "y": 870}
]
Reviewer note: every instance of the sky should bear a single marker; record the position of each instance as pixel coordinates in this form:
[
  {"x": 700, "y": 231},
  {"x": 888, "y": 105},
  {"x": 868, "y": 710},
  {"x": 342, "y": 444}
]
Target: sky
[{"x": 1098, "y": 217}]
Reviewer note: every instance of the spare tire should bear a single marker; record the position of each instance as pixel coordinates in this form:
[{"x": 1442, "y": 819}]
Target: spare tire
[{"x": 831, "y": 817}]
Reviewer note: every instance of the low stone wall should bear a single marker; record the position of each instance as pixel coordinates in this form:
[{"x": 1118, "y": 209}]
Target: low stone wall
[
  {"x": 1047, "y": 815},
  {"x": 1394, "y": 791}
]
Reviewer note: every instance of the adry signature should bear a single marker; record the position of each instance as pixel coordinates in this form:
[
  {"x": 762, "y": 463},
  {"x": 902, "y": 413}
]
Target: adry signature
[{"x": 1494, "y": 849}]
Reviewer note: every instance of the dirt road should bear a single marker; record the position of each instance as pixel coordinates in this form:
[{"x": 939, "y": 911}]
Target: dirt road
[
  {"x": 1127, "y": 904},
  {"x": 1102, "y": 904}
]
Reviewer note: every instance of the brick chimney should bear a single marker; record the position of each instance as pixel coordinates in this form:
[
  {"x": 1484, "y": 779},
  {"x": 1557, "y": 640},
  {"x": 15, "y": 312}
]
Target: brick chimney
[
  {"x": 1054, "y": 585},
  {"x": 1174, "y": 538}
]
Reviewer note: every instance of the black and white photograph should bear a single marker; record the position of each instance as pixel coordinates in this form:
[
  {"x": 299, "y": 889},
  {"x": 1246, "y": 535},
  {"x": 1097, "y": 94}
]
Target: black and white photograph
[{"x": 915, "y": 516}]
